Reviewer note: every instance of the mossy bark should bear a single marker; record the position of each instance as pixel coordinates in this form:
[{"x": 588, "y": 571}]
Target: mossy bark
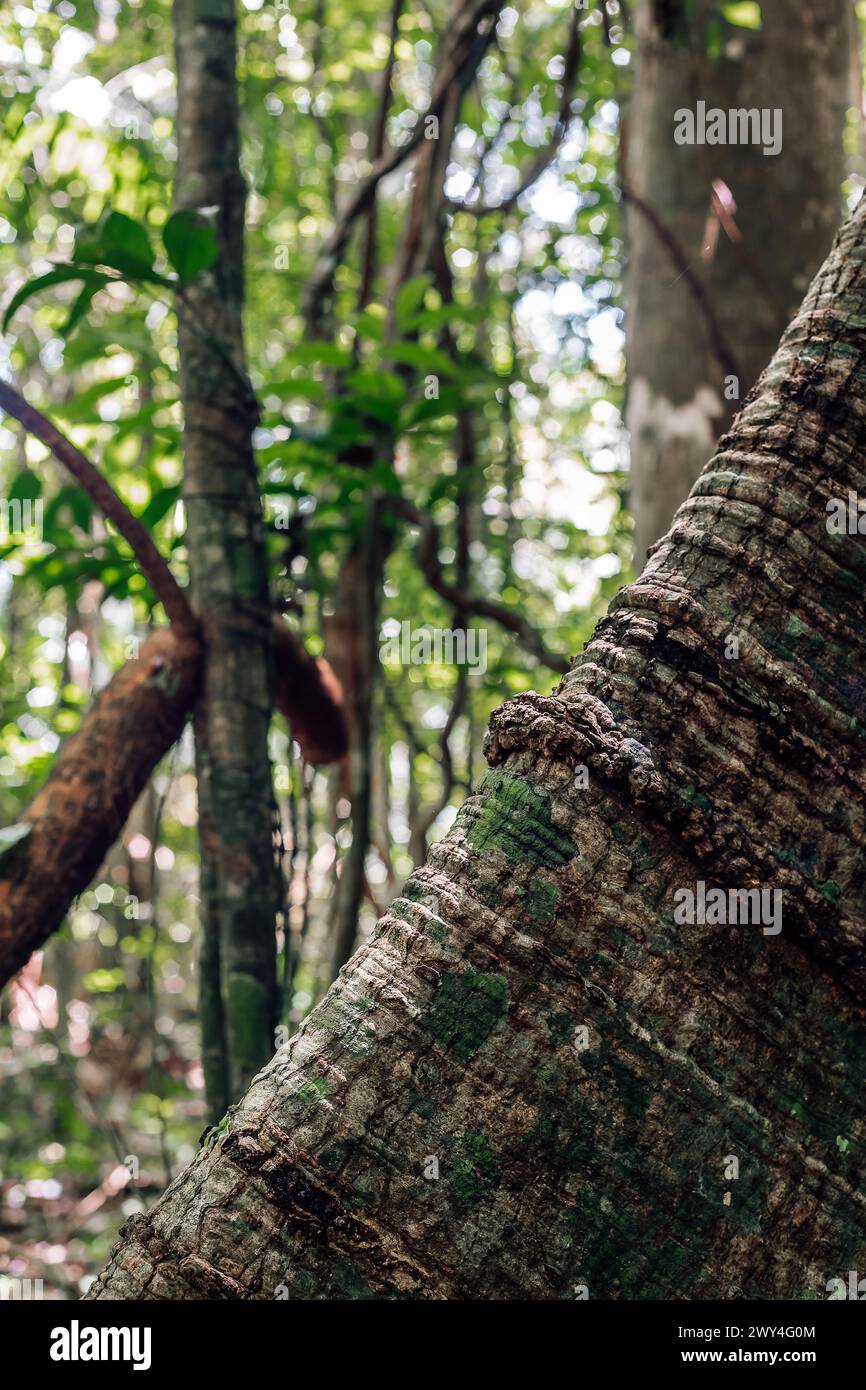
[
  {"x": 531, "y": 1080},
  {"x": 239, "y": 885}
]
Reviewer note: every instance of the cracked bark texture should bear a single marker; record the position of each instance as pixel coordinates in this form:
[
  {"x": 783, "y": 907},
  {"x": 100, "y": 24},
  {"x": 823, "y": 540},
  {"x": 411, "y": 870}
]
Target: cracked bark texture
[
  {"x": 788, "y": 207},
  {"x": 240, "y": 892},
  {"x": 548, "y": 908}
]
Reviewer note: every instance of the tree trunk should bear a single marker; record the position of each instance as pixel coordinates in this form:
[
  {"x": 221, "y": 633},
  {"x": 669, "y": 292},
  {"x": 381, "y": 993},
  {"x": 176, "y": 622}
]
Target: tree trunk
[
  {"x": 614, "y": 1103},
  {"x": 681, "y": 352},
  {"x": 228, "y": 571}
]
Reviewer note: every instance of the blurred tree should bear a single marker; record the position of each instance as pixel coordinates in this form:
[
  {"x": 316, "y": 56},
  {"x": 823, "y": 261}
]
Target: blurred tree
[{"x": 723, "y": 238}]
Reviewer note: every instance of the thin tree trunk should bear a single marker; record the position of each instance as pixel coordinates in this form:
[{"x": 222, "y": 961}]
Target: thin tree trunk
[
  {"x": 360, "y": 586},
  {"x": 530, "y": 1022},
  {"x": 681, "y": 351},
  {"x": 228, "y": 569}
]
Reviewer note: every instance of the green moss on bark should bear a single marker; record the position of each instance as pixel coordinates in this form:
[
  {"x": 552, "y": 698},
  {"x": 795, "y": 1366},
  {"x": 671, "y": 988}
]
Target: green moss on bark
[
  {"x": 508, "y": 814},
  {"x": 467, "y": 1009}
]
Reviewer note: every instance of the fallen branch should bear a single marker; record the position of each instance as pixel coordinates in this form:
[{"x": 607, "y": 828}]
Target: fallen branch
[
  {"x": 308, "y": 694},
  {"x": 100, "y": 771}
]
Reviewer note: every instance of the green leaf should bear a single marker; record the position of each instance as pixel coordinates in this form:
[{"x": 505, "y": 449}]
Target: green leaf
[
  {"x": 160, "y": 504},
  {"x": 59, "y": 276},
  {"x": 328, "y": 354},
  {"x": 104, "y": 980},
  {"x": 370, "y": 325},
  {"x": 425, "y": 359},
  {"x": 298, "y": 386},
  {"x": 745, "y": 14},
  {"x": 190, "y": 244},
  {"x": 26, "y": 487},
  {"x": 125, "y": 245},
  {"x": 422, "y": 412},
  {"x": 12, "y": 835},
  {"x": 76, "y": 501},
  {"x": 409, "y": 299},
  {"x": 78, "y": 310},
  {"x": 84, "y": 407},
  {"x": 381, "y": 385},
  {"x": 449, "y": 313}
]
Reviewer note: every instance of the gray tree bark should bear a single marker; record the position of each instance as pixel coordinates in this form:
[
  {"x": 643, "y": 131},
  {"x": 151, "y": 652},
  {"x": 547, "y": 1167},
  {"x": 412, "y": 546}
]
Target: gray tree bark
[
  {"x": 531, "y": 1021},
  {"x": 788, "y": 207}
]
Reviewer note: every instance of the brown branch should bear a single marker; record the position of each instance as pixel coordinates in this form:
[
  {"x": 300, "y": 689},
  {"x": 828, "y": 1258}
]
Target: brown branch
[
  {"x": 96, "y": 780},
  {"x": 134, "y": 532},
  {"x": 377, "y": 146},
  {"x": 718, "y": 341},
  {"x": 546, "y": 157},
  {"x": 428, "y": 558},
  {"x": 102, "y": 769},
  {"x": 462, "y": 48},
  {"x": 308, "y": 694}
]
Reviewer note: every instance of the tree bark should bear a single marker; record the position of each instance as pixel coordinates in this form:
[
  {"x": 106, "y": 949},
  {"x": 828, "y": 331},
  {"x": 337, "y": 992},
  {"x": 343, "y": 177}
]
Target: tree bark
[
  {"x": 228, "y": 569},
  {"x": 602, "y": 1160},
  {"x": 787, "y": 209}
]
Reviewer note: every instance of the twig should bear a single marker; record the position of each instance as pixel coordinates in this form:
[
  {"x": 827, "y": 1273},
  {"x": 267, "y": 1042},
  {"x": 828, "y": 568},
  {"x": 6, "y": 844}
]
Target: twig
[
  {"x": 546, "y": 157},
  {"x": 428, "y": 557},
  {"x": 134, "y": 532},
  {"x": 377, "y": 146},
  {"x": 718, "y": 341},
  {"x": 605, "y": 20},
  {"x": 322, "y": 277}
]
